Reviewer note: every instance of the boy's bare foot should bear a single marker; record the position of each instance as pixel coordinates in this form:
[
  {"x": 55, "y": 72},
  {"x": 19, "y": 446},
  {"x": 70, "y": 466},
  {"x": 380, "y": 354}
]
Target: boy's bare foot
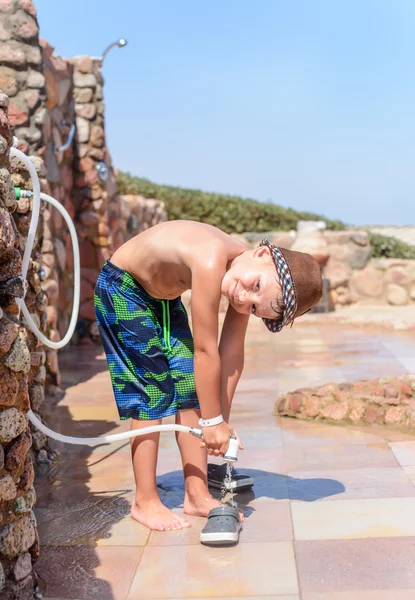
[
  {"x": 154, "y": 515},
  {"x": 202, "y": 504}
]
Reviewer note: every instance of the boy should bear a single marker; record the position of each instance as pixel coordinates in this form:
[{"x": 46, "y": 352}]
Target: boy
[{"x": 156, "y": 368}]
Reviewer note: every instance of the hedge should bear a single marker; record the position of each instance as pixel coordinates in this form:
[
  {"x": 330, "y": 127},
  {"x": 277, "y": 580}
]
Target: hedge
[
  {"x": 385, "y": 246},
  {"x": 232, "y": 214}
]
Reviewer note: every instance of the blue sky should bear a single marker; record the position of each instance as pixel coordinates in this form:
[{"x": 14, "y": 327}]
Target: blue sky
[{"x": 308, "y": 103}]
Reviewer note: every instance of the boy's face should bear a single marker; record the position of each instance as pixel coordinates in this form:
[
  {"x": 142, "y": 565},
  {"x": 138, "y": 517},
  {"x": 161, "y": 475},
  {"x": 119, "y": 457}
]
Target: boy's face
[{"x": 251, "y": 284}]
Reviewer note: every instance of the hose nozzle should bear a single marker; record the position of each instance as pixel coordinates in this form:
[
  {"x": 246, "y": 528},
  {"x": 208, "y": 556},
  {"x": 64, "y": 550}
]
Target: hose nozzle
[{"x": 231, "y": 454}]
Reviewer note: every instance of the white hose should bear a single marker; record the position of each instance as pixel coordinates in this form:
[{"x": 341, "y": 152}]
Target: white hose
[
  {"x": 108, "y": 439},
  {"x": 37, "y": 195}
]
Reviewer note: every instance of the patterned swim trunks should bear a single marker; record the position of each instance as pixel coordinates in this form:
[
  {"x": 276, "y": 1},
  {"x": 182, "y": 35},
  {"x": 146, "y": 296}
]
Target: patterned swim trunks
[{"x": 149, "y": 347}]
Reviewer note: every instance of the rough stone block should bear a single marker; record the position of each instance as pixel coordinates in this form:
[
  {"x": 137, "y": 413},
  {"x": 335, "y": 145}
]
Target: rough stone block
[
  {"x": 22, "y": 567},
  {"x": 397, "y": 295},
  {"x": 12, "y": 54},
  {"x": 16, "y": 453},
  {"x": 28, "y": 475},
  {"x": 35, "y": 79},
  {"x": 9, "y": 386},
  {"x": 8, "y": 489},
  {"x": 18, "y": 358},
  {"x": 86, "y": 111},
  {"x": 82, "y": 130},
  {"x": 368, "y": 283},
  {"x": 84, "y": 80},
  {"x": 9, "y": 330},
  {"x": 97, "y": 136},
  {"x": 338, "y": 273},
  {"x": 398, "y": 275},
  {"x": 17, "y": 537},
  {"x": 12, "y": 424},
  {"x": 359, "y": 257},
  {"x": 8, "y": 81}
]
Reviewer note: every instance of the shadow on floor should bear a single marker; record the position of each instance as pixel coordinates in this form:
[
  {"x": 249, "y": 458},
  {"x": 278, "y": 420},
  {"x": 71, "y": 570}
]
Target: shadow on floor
[
  {"x": 267, "y": 485},
  {"x": 71, "y": 518}
]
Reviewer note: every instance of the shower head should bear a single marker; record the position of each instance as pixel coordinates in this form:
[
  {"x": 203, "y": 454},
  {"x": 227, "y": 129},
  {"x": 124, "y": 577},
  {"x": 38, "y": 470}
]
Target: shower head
[{"x": 119, "y": 44}]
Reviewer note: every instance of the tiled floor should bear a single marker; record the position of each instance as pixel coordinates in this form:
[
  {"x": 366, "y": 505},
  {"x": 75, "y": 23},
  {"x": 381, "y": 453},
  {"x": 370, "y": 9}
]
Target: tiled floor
[{"x": 331, "y": 516}]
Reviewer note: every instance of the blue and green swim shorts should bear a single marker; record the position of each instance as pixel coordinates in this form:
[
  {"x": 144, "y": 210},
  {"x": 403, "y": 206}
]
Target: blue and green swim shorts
[{"x": 149, "y": 347}]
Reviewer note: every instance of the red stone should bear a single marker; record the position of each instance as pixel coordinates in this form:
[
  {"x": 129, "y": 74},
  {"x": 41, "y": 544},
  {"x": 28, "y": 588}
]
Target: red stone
[
  {"x": 9, "y": 386},
  {"x": 28, "y": 6},
  {"x": 87, "y": 254},
  {"x": 391, "y": 391},
  {"x": 86, "y": 164},
  {"x": 87, "y": 310},
  {"x": 90, "y": 275},
  {"x": 28, "y": 475},
  {"x": 296, "y": 401},
  {"x": 102, "y": 254},
  {"x": 52, "y": 315},
  {"x": 7, "y": 235},
  {"x": 394, "y": 415},
  {"x": 374, "y": 415},
  {"x": 17, "y": 451},
  {"x": 84, "y": 64},
  {"x": 356, "y": 412},
  {"x": 405, "y": 389},
  {"x": 18, "y": 114},
  {"x": 336, "y": 412},
  {"x": 311, "y": 407},
  {"x": 103, "y": 229},
  {"x": 87, "y": 290},
  {"x": 8, "y": 333},
  {"x": 89, "y": 218}
]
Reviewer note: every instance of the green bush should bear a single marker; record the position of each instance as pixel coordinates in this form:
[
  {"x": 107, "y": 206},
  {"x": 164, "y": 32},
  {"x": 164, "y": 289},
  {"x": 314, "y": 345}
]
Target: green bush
[
  {"x": 230, "y": 213},
  {"x": 384, "y": 246}
]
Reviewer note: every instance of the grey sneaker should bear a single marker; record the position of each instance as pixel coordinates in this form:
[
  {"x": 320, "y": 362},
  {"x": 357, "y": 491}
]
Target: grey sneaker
[{"x": 217, "y": 479}]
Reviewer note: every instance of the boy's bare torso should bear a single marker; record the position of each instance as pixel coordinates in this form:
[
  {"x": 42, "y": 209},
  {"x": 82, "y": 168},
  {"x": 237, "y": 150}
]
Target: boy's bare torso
[{"x": 165, "y": 258}]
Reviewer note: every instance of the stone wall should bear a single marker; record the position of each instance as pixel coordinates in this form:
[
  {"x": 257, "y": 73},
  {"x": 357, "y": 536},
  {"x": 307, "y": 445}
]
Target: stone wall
[
  {"x": 388, "y": 401},
  {"x": 22, "y": 376},
  {"x": 21, "y": 76}
]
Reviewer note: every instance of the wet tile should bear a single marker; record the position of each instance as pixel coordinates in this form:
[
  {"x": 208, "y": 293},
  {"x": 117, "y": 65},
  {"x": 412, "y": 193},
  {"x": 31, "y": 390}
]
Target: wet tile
[
  {"x": 347, "y": 484},
  {"x": 103, "y": 521},
  {"x": 345, "y": 519},
  {"x": 330, "y": 567},
  {"x": 195, "y": 571},
  {"x": 88, "y": 573},
  {"x": 310, "y": 458}
]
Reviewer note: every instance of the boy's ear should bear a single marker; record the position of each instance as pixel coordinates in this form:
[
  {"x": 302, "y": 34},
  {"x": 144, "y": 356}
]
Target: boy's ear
[{"x": 262, "y": 251}]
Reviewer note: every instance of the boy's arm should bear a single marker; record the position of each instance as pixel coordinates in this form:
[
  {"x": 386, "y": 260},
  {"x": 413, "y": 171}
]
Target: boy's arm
[
  {"x": 231, "y": 351},
  {"x": 206, "y": 286}
]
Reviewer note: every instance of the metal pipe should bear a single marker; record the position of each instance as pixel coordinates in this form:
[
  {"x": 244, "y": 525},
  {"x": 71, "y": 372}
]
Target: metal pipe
[{"x": 119, "y": 43}]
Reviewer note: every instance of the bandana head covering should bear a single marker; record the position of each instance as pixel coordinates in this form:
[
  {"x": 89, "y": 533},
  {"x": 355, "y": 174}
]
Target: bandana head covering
[{"x": 288, "y": 291}]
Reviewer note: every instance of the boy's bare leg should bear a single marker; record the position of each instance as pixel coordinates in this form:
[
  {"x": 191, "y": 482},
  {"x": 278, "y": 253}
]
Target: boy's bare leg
[
  {"x": 198, "y": 500},
  {"x": 147, "y": 508}
]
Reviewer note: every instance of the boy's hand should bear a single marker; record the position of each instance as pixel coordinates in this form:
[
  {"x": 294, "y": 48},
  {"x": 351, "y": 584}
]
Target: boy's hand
[{"x": 216, "y": 439}]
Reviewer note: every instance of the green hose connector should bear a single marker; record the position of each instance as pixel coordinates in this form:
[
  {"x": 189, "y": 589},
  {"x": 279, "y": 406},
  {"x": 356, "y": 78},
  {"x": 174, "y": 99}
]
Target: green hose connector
[{"x": 22, "y": 193}]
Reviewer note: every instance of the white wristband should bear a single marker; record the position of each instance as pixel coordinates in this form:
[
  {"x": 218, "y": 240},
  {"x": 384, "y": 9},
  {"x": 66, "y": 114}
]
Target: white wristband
[{"x": 211, "y": 422}]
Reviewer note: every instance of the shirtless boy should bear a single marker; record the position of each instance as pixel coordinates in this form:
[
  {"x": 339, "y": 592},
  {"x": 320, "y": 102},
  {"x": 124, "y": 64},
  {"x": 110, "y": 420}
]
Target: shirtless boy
[{"x": 158, "y": 368}]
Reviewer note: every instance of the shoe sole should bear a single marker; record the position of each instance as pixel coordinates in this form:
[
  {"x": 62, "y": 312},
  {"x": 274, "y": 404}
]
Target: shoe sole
[
  {"x": 219, "y": 538},
  {"x": 236, "y": 486}
]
